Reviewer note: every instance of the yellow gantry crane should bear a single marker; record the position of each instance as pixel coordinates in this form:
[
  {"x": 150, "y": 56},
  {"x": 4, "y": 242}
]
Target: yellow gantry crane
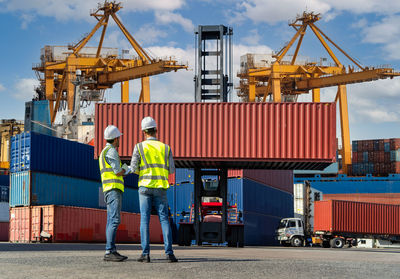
[
  {"x": 286, "y": 78},
  {"x": 104, "y": 70}
]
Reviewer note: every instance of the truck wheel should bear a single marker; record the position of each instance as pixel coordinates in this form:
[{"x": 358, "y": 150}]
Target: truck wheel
[
  {"x": 326, "y": 244},
  {"x": 296, "y": 241},
  {"x": 337, "y": 242}
]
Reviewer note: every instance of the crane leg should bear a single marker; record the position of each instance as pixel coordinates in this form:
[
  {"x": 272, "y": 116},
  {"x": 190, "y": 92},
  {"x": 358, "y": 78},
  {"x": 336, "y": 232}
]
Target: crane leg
[
  {"x": 316, "y": 95},
  {"x": 50, "y": 91},
  {"x": 145, "y": 93},
  {"x": 276, "y": 87},
  {"x": 344, "y": 123},
  {"x": 125, "y": 91},
  {"x": 252, "y": 89}
]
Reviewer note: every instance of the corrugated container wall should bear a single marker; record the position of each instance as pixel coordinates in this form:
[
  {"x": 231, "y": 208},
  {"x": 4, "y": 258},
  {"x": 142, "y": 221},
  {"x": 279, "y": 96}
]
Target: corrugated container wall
[
  {"x": 235, "y": 135},
  {"x": 37, "y": 152},
  {"x": 4, "y": 231},
  {"x": 4, "y": 212},
  {"x": 357, "y": 217},
  {"x": 75, "y": 224},
  {"x": 37, "y": 188},
  {"x": 346, "y": 185},
  {"x": 385, "y": 198}
]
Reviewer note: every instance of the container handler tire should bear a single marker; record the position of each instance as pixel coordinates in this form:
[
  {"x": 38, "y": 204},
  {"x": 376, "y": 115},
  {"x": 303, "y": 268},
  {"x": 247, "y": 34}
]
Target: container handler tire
[
  {"x": 296, "y": 241},
  {"x": 337, "y": 242},
  {"x": 326, "y": 244}
]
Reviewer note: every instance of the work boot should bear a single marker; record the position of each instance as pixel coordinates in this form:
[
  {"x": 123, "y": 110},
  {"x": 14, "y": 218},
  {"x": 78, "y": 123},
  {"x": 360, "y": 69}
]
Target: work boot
[
  {"x": 114, "y": 257},
  {"x": 144, "y": 258},
  {"x": 171, "y": 258}
]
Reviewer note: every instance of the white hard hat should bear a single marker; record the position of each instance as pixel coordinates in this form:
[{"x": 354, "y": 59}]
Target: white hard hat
[
  {"x": 111, "y": 132},
  {"x": 148, "y": 123}
]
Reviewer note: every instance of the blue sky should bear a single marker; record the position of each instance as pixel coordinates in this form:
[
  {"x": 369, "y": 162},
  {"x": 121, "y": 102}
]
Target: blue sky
[{"x": 369, "y": 30}]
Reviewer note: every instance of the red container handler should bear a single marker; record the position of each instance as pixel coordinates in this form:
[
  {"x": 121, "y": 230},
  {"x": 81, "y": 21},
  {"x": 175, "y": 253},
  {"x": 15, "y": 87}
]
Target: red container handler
[
  {"x": 356, "y": 217},
  {"x": 75, "y": 224},
  {"x": 232, "y": 135}
]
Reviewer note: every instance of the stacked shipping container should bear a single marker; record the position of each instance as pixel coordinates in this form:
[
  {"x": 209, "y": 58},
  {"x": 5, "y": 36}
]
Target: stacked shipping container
[
  {"x": 4, "y": 208},
  {"x": 48, "y": 170},
  {"x": 74, "y": 224},
  {"x": 51, "y": 172},
  {"x": 262, "y": 197},
  {"x": 378, "y": 157}
]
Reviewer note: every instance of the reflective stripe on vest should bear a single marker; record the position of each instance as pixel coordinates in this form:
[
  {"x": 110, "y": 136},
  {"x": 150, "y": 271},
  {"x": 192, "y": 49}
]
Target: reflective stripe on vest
[
  {"x": 108, "y": 178},
  {"x": 153, "y": 169}
]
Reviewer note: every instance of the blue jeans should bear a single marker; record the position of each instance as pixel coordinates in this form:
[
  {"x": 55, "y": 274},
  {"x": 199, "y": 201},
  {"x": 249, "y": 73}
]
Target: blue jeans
[
  {"x": 157, "y": 198},
  {"x": 113, "y": 199}
]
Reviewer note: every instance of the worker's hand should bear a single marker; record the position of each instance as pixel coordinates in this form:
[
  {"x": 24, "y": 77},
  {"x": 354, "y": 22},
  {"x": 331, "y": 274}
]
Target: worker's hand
[{"x": 127, "y": 169}]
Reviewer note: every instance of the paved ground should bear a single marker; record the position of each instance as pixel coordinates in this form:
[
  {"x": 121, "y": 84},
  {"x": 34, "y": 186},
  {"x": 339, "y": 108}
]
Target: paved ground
[{"x": 85, "y": 261}]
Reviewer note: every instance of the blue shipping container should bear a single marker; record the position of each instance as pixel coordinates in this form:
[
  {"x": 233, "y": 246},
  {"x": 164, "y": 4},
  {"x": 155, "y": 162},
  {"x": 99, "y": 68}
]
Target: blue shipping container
[
  {"x": 395, "y": 155},
  {"x": 4, "y": 193},
  {"x": 387, "y": 146},
  {"x": 348, "y": 185},
  {"x": 36, "y": 188},
  {"x": 37, "y": 152},
  {"x": 262, "y": 207},
  {"x": 37, "y": 117},
  {"x": 4, "y": 180},
  {"x": 355, "y": 145}
]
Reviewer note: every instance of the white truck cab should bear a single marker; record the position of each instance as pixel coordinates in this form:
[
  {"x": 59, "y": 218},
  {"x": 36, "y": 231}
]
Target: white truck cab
[{"x": 290, "y": 232}]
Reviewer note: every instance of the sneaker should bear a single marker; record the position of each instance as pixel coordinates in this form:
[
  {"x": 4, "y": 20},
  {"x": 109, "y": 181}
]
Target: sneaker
[
  {"x": 144, "y": 258},
  {"x": 114, "y": 257},
  {"x": 171, "y": 258}
]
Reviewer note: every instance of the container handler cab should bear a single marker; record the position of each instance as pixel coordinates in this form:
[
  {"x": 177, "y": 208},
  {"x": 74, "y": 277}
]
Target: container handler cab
[{"x": 210, "y": 221}]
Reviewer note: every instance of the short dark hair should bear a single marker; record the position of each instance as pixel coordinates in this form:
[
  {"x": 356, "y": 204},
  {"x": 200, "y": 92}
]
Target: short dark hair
[
  {"x": 151, "y": 131},
  {"x": 110, "y": 141}
]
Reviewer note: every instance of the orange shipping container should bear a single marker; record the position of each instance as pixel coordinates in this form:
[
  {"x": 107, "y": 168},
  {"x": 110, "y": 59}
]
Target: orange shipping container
[
  {"x": 385, "y": 198},
  {"x": 75, "y": 224},
  {"x": 356, "y": 218}
]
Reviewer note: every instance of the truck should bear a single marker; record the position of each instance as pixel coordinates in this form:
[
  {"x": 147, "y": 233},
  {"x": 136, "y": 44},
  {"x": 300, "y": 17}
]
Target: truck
[{"x": 339, "y": 223}]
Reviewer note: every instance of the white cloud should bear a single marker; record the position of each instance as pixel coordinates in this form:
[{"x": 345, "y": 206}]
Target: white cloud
[
  {"x": 77, "y": 9},
  {"x": 272, "y": 11},
  {"x": 165, "y": 17},
  {"x": 2, "y": 88},
  {"x": 148, "y": 34},
  {"x": 385, "y": 32},
  {"x": 24, "y": 89},
  {"x": 253, "y": 37}
]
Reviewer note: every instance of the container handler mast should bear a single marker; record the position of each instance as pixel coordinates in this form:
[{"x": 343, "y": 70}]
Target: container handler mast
[
  {"x": 286, "y": 80},
  {"x": 85, "y": 77}
]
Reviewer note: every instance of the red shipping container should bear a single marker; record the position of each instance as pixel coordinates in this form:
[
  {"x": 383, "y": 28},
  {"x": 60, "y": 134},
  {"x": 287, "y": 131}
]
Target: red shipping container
[
  {"x": 233, "y": 135},
  {"x": 395, "y": 167},
  {"x": 20, "y": 224},
  {"x": 394, "y": 144},
  {"x": 355, "y": 157},
  {"x": 356, "y": 217},
  {"x": 382, "y": 198},
  {"x": 278, "y": 179},
  {"x": 76, "y": 224},
  {"x": 387, "y": 157},
  {"x": 4, "y": 230}
]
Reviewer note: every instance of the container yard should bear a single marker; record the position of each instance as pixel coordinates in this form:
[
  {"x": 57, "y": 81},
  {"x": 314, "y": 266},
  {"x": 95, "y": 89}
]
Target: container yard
[{"x": 259, "y": 159}]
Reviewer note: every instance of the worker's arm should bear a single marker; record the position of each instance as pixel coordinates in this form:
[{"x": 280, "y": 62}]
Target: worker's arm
[
  {"x": 113, "y": 159},
  {"x": 171, "y": 163},
  {"x": 135, "y": 161}
]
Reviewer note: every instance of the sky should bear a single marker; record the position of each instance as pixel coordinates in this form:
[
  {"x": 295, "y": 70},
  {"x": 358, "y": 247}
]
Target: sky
[{"x": 368, "y": 30}]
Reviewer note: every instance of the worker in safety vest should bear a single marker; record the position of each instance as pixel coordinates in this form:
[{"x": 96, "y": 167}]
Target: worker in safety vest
[
  {"x": 112, "y": 172},
  {"x": 153, "y": 161}
]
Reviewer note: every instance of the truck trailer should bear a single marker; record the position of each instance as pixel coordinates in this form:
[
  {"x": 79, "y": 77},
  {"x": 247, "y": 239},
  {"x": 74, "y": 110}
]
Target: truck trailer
[{"x": 337, "y": 223}]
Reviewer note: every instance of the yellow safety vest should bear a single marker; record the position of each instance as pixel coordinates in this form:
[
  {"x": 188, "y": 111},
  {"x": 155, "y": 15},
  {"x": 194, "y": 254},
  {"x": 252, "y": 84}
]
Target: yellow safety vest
[
  {"x": 153, "y": 168},
  {"x": 108, "y": 178}
]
